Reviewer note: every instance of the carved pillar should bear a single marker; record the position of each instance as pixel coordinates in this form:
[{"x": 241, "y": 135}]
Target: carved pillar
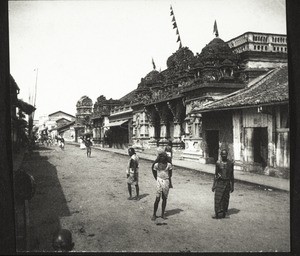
[
  {"x": 102, "y": 133},
  {"x": 150, "y": 114},
  {"x": 144, "y": 126},
  {"x": 134, "y": 128},
  {"x": 177, "y": 110},
  {"x": 95, "y": 137},
  {"x": 163, "y": 114}
]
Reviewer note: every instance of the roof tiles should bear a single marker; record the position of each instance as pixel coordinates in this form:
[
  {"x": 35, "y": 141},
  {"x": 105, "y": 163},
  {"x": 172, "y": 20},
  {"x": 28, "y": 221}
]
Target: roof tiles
[{"x": 271, "y": 89}]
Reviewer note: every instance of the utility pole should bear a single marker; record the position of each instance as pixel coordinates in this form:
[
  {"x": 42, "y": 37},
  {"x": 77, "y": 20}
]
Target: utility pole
[{"x": 31, "y": 116}]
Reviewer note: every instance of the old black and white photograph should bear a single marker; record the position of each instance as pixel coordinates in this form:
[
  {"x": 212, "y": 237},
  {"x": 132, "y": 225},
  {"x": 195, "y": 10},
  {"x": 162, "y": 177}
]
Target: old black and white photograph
[{"x": 149, "y": 126}]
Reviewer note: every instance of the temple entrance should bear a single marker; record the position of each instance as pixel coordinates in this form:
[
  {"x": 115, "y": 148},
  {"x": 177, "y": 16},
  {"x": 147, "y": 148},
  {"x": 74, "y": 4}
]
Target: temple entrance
[
  {"x": 212, "y": 139},
  {"x": 260, "y": 145}
]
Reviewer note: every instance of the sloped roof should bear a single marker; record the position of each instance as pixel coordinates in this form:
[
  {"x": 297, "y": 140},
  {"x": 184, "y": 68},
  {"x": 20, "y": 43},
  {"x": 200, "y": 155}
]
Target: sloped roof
[
  {"x": 60, "y": 128},
  {"x": 271, "y": 89},
  {"x": 62, "y": 113},
  {"x": 129, "y": 96},
  {"x": 62, "y": 118}
]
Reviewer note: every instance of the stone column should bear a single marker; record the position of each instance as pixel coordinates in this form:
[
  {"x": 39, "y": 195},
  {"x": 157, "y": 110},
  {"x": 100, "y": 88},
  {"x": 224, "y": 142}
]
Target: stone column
[
  {"x": 150, "y": 114},
  {"x": 134, "y": 128},
  {"x": 176, "y": 134},
  {"x": 102, "y": 135},
  {"x": 95, "y": 137},
  {"x": 177, "y": 110},
  {"x": 163, "y": 114},
  {"x": 248, "y": 153},
  {"x": 237, "y": 143},
  {"x": 143, "y": 124}
]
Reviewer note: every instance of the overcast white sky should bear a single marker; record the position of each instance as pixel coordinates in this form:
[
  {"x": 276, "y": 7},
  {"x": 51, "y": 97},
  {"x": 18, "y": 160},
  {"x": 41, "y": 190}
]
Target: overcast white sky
[{"x": 106, "y": 47}]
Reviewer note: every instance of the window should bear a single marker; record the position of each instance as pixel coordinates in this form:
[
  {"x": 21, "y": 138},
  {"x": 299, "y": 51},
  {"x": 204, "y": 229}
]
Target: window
[
  {"x": 258, "y": 47},
  {"x": 254, "y": 47}
]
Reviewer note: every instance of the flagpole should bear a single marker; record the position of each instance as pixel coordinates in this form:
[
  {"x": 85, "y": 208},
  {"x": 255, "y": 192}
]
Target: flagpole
[
  {"x": 175, "y": 26},
  {"x": 35, "y": 89}
]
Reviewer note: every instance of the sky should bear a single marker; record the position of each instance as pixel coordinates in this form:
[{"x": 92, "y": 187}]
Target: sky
[{"x": 68, "y": 49}]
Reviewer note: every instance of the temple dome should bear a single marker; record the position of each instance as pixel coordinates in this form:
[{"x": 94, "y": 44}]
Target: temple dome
[
  {"x": 84, "y": 101},
  {"x": 153, "y": 78},
  {"x": 217, "y": 49},
  {"x": 181, "y": 58}
]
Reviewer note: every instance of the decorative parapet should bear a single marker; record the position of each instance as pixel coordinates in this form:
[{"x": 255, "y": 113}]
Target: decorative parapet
[{"x": 121, "y": 109}]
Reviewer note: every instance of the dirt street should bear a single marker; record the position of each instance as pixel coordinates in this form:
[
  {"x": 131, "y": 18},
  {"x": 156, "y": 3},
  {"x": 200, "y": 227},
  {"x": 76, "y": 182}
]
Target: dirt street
[{"x": 88, "y": 196}]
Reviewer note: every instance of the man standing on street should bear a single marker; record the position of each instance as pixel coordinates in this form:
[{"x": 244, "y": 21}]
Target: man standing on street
[
  {"x": 223, "y": 185},
  {"x": 132, "y": 172},
  {"x": 88, "y": 145},
  {"x": 62, "y": 143},
  {"x": 162, "y": 172}
]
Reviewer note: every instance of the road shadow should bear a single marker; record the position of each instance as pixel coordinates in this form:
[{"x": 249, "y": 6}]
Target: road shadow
[
  {"x": 233, "y": 211},
  {"x": 143, "y": 196},
  {"x": 173, "y": 212},
  {"x": 48, "y": 204}
]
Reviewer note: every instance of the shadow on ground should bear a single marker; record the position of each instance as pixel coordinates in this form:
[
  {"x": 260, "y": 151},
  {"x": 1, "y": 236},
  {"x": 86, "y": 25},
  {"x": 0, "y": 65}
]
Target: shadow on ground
[
  {"x": 143, "y": 195},
  {"x": 173, "y": 212},
  {"x": 233, "y": 211},
  {"x": 48, "y": 204}
]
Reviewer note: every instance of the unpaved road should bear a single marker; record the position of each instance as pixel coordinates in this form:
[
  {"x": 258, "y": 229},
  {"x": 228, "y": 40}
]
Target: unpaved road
[{"x": 88, "y": 196}]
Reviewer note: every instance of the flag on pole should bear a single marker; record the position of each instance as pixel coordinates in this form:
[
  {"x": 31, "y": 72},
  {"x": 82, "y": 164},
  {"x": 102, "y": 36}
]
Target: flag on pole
[
  {"x": 216, "y": 29},
  {"x": 154, "y": 67},
  {"x": 172, "y": 13},
  {"x": 175, "y": 26}
]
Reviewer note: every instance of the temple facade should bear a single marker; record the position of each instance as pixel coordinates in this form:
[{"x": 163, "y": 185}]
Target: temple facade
[{"x": 169, "y": 105}]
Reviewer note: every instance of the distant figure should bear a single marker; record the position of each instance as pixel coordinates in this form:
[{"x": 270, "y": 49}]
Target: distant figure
[
  {"x": 88, "y": 144},
  {"x": 162, "y": 172},
  {"x": 62, "y": 143},
  {"x": 81, "y": 143},
  {"x": 62, "y": 241},
  {"x": 223, "y": 185},
  {"x": 132, "y": 172}
]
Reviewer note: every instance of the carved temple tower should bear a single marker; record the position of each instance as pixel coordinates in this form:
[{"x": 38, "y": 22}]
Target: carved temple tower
[{"x": 83, "y": 123}]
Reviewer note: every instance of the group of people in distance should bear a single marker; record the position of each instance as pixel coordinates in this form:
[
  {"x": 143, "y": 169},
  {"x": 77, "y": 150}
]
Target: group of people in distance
[{"x": 162, "y": 169}]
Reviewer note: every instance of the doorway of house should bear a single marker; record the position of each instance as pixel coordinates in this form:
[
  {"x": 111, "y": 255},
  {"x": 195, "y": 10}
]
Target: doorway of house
[
  {"x": 212, "y": 139},
  {"x": 260, "y": 145}
]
